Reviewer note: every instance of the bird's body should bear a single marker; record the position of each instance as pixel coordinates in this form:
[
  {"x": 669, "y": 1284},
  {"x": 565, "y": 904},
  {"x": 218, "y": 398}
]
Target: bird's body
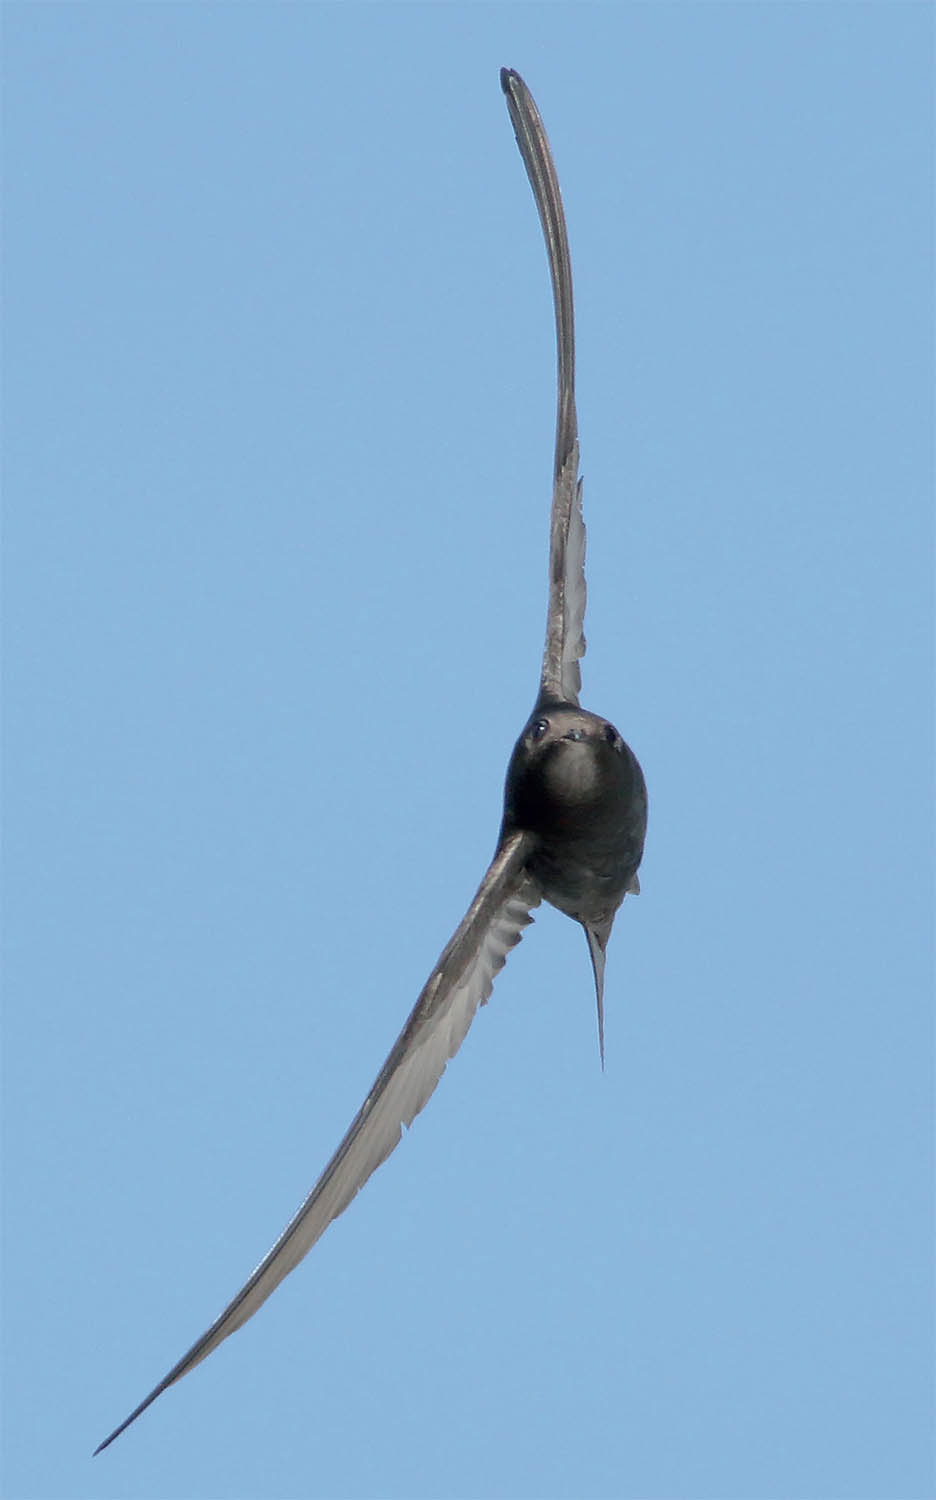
[
  {"x": 578, "y": 787},
  {"x": 575, "y": 811}
]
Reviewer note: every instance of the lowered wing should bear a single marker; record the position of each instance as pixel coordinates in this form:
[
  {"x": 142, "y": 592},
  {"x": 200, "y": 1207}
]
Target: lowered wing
[{"x": 459, "y": 983}]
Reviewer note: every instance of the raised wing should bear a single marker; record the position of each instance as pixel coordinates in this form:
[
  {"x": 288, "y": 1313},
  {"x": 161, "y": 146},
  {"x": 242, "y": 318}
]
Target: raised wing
[
  {"x": 459, "y": 983},
  {"x": 565, "y": 623}
]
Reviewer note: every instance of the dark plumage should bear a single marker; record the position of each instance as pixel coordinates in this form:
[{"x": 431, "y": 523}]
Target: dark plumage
[{"x": 575, "y": 812}]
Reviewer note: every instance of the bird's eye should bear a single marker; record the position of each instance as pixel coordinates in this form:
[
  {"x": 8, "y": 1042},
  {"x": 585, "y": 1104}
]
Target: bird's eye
[{"x": 539, "y": 728}]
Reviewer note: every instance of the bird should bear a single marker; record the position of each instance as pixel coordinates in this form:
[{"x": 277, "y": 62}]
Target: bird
[{"x": 572, "y": 831}]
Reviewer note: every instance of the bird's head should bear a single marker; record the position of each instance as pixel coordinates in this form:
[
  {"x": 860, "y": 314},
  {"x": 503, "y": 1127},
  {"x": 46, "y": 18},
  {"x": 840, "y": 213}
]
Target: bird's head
[{"x": 566, "y": 760}]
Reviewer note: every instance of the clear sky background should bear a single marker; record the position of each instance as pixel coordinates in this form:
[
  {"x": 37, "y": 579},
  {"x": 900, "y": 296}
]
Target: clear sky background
[{"x": 279, "y": 409}]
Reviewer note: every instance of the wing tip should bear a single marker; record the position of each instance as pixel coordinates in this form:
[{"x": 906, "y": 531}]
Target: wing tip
[{"x": 114, "y": 1435}]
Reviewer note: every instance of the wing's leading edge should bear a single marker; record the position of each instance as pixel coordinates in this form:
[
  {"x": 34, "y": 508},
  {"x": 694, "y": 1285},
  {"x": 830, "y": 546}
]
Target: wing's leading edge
[
  {"x": 565, "y": 624},
  {"x": 459, "y": 983}
]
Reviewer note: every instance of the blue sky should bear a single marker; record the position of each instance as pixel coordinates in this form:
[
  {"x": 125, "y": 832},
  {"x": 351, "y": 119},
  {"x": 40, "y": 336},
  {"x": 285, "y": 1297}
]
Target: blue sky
[{"x": 278, "y": 432}]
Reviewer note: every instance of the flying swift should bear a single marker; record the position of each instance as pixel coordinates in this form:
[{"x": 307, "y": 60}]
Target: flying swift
[{"x": 572, "y": 832}]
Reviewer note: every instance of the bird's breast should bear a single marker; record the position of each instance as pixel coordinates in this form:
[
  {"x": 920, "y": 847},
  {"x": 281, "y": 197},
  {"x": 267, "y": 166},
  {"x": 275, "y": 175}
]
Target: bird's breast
[{"x": 572, "y": 777}]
